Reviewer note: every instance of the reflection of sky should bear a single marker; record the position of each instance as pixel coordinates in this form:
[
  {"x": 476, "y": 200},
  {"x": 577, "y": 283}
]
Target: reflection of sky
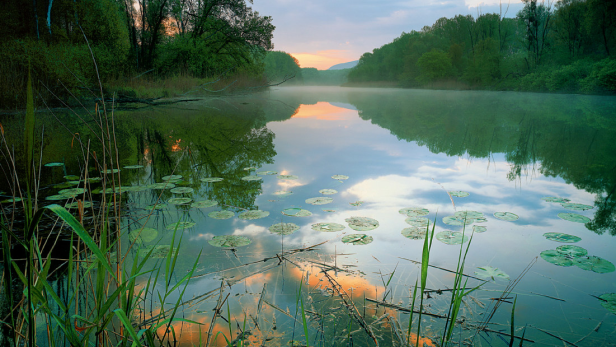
[{"x": 322, "y": 140}]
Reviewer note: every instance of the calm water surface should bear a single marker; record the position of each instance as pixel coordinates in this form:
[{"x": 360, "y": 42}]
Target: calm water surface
[{"x": 399, "y": 148}]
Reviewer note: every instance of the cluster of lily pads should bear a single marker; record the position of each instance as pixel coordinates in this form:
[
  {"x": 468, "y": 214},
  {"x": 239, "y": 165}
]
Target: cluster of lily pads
[
  {"x": 569, "y": 255},
  {"x": 567, "y": 204}
]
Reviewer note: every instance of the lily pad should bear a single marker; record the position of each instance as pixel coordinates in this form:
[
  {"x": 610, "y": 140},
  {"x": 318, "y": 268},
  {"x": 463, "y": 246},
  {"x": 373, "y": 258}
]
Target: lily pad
[
  {"x": 414, "y": 211},
  {"x": 66, "y": 184},
  {"x": 94, "y": 179},
  {"x": 171, "y": 177},
  {"x": 72, "y": 192},
  {"x": 327, "y": 227},
  {"x": 576, "y": 207},
  {"x": 451, "y": 237},
  {"x": 328, "y": 191},
  {"x": 229, "y": 241},
  {"x": 283, "y": 228},
  {"x": 420, "y": 222},
  {"x": 181, "y": 225},
  {"x": 221, "y": 214},
  {"x": 555, "y": 199},
  {"x": 340, "y": 177},
  {"x": 179, "y": 201},
  {"x": 357, "y": 239},
  {"x": 155, "y": 207},
  {"x": 251, "y": 178},
  {"x": 327, "y": 210},
  {"x": 593, "y": 263},
  {"x": 414, "y": 233},
  {"x": 162, "y": 185},
  {"x": 481, "y": 220},
  {"x": 203, "y": 204},
  {"x": 58, "y": 197},
  {"x": 71, "y": 177},
  {"x": 572, "y": 251},
  {"x": 561, "y": 237},
  {"x": 75, "y": 204},
  {"x": 356, "y": 203},
  {"x": 506, "y": 216},
  {"x": 479, "y": 229},
  {"x": 110, "y": 171},
  {"x": 362, "y": 223},
  {"x": 282, "y": 193},
  {"x": 254, "y": 214},
  {"x": 267, "y": 173},
  {"x": 573, "y": 217},
  {"x": 132, "y": 167},
  {"x": 182, "y": 190},
  {"x": 250, "y": 168},
  {"x": 608, "y": 300},
  {"x": 11, "y": 200},
  {"x": 211, "y": 179},
  {"x": 288, "y": 177},
  {"x": 468, "y": 214},
  {"x": 296, "y": 212},
  {"x": 555, "y": 257},
  {"x": 319, "y": 200},
  {"x": 54, "y": 164},
  {"x": 459, "y": 194},
  {"x": 143, "y": 235},
  {"x": 158, "y": 252},
  {"x": 491, "y": 272},
  {"x": 457, "y": 221}
]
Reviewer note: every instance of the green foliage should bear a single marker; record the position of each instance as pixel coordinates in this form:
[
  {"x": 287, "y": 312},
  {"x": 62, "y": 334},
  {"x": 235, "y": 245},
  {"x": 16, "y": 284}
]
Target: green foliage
[
  {"x": 434, "y": 65},
  {"x": 279, "y": 66}
]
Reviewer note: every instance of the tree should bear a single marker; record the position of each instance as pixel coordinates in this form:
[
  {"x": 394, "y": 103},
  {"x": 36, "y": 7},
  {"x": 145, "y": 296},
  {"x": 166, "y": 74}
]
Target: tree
[
  {"x": 568, "y": 24},
  {"x": 601, "y": 21},
  {"x": 434, "y": 65},
  {"x": 279, "y": 66},
  {"x": 536, "y": 20}
]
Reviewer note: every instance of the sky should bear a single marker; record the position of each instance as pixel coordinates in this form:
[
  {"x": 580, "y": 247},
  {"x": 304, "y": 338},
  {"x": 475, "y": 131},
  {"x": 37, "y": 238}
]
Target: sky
[{"x": 322, "y": 33}]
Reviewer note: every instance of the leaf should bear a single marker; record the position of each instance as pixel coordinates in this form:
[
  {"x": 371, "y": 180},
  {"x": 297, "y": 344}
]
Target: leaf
[
  {"x": 491, "y": 272},
  {"x": 283, "y": 228},
  {"x": 362, "y": 223},
  {"x": 357, "y": 239},
  {"x": 574, "y": 217},
  {"x": 254, "y": 214},
  {"x": 229, "y": 241},
  {"x": 327, "y": 227}
]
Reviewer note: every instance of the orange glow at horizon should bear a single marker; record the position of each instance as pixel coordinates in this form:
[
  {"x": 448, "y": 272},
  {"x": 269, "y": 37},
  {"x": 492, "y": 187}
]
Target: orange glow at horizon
[
  {"x": 320, "y": 110},
  {"x": 322, "y": 60}
]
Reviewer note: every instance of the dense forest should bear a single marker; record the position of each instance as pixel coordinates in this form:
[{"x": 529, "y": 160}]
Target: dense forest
[
  {"x": 564, "y": 46},
  {"x": 57, "y": 39},
  {"x": 282, "y": 66}
]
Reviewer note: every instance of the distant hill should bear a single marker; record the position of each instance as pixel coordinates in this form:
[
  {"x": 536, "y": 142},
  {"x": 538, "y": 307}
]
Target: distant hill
[{"x": 348, "y": 65}]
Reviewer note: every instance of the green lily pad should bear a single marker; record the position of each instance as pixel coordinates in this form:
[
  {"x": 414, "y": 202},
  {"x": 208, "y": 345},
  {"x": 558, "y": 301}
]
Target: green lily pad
[
  {"x": 58, "y": 197},
  {"x": 171, "y": 177},
  {"x": 451, "y": 237},
  {"x": 143, "y": 235},
  {"x": 211, "y": 179},
  {"x": 132, "y": 167},
  {"x": 251, "y": 178},
  {"x": 468, "y": 214},
  {"x": 555, "y": 199},
  {"x": 459, "y": 194},
  {"x": 282, "y": 193},
  {"x": 267, "y": 173},
  {"x": 561, "y": 237},
  {"x": 608, "y": 300},
  {"x": 572, "y": 251},
  {"x": 420, "y": 222},
  {"x": 179, "y": 201},
  {"x": 66, "y": 184},
  {"x": 479, "y": 229},
  {"x": 72, "y": 192},
  {"x": 327, "y": 210},
  {"x": 356, "y": 203},
  {"x": 481, "y": 220},
  {"x": 288, "y": 177},
  {"x": 362, "y": 223},
  {"x": 340, "y": 177},
  {"x": 457, "y": 221},
  {"x": 296, "y": 212},
  {"x": 319, "y": 200},
  {"x": 11, "y": 200},
  {"x": 555, "y": 257},
  {"x": 328, "y": 191},
  {"x": 573, "y": 217},
  {"x": 75, "y": 204},
  {"x": 576, "y": 207},
  {"x": 229, "y": 241},
  {"x": 110, "y": 171},
  {"x": 491, "y": 272},
  {"x": 182, "y": 190},
  {"x": 506, "y": 216},
  {"x": 203, "y": 204},
  {"x": 71, "y": 178},
  {"x": 414, "y": 233},
  {"x": 283, "y": 228},
  {"x": 181, "y": 225},
  {"x": 250, "y": 168},
  {"x": 357, "y": 239},
  {"x": 414, "y": 211},
  {"x": 94, "y": 179},
  {"x": 327, "y": 227},
  {"x": 221, "y": 214},
  {"x": 158, "y": 251},
  {"x": 54, "y": 164},
  {"x": 162, "y": 185},
  {"x": 595, "y": 264},
  {"x": 155, "y": 207},
  {"x": 254, "y": 214}
]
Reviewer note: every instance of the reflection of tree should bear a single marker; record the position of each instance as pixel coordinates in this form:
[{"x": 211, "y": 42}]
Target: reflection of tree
[{"x": 575, "y": 142}]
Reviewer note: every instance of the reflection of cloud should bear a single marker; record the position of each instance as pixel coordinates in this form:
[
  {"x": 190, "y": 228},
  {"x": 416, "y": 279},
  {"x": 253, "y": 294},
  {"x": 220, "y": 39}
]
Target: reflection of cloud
[
  {"x": 250, "y": 229},
  {"x": 322, "y": 111},
  {"x": 204, "y": 236}
]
